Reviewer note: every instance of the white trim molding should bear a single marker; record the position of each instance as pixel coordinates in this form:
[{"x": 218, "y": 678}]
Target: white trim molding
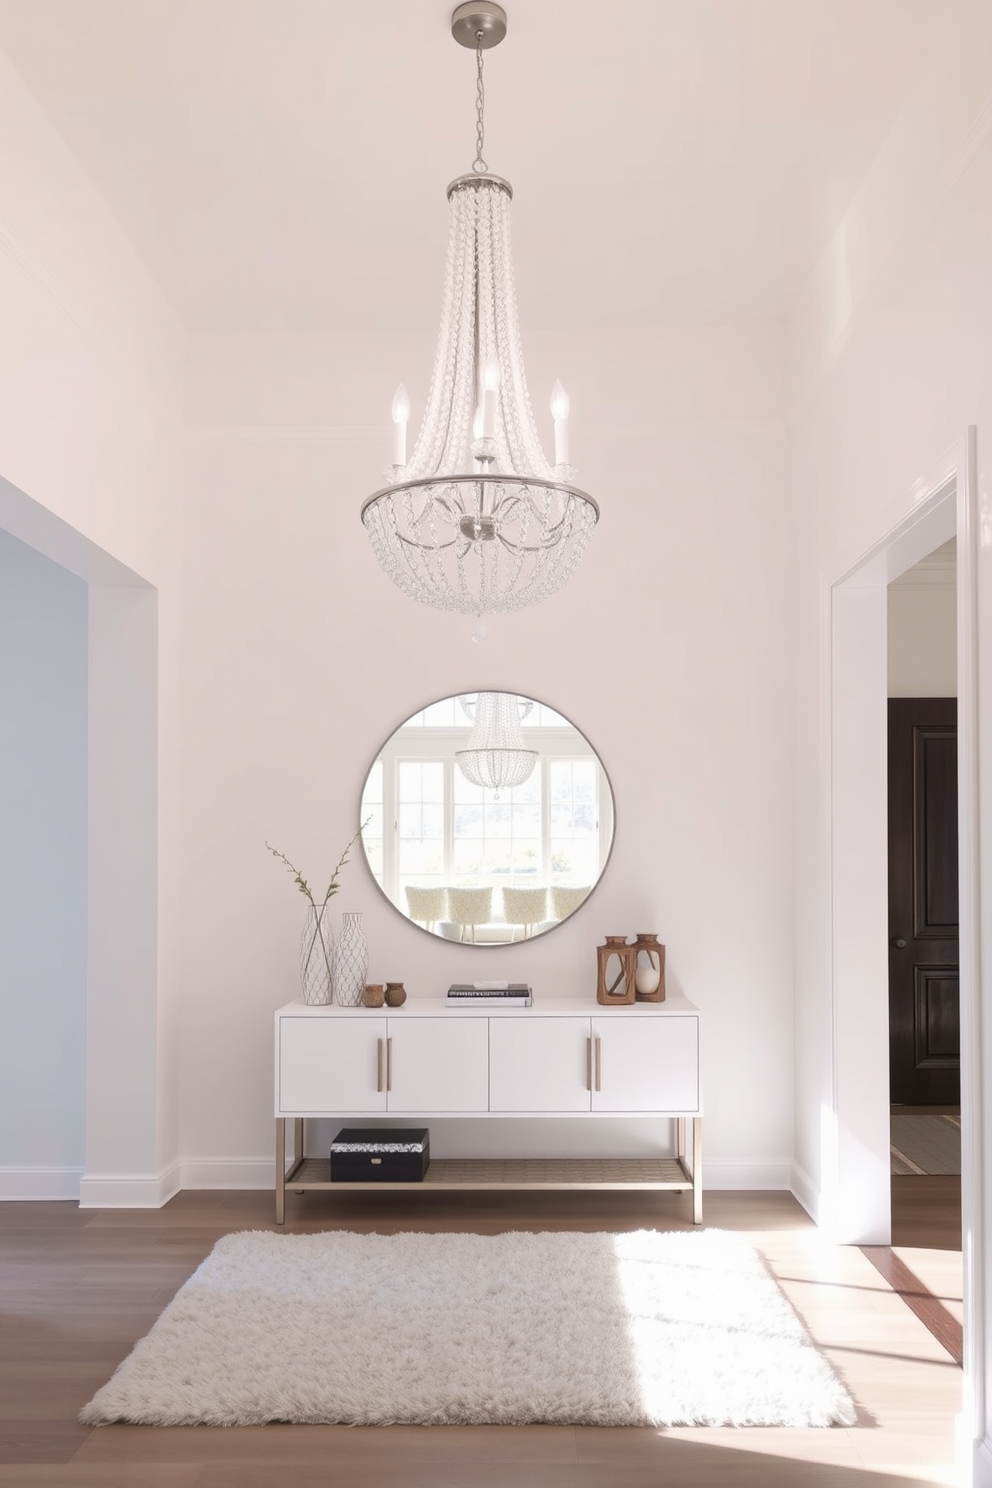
[
  {"x": 39, "y": 1184},
  {"x": 982, "y": 1466},
  {"x": 805, "y": 1191},
  {"x": 129, "y": 1190},
  {"x": 975, "y": 1063},
  {"x": 228, "y": 1172},
  {"x": 232, "y": 1173},
  {"x": 939, "y": 507},
  {"x": 747, "y": 1175}
]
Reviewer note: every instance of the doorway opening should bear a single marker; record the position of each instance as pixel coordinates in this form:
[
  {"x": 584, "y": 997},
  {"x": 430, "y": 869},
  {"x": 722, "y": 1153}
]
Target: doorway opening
[
  {"x": 120, "y": 1095},
  {"x": 924, "y": 1004}
]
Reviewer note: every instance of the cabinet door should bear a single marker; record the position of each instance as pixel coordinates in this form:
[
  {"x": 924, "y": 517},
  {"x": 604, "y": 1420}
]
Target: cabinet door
[
  {"x": 438, "y": 1064},
  {"x": 647, "y": 1064},
  {"x": 538, "y": 1064},
  {"x": 330, "y": 1064}
]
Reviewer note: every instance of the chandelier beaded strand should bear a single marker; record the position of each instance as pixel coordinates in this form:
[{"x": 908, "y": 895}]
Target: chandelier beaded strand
[{"x": 477, "y": 520}]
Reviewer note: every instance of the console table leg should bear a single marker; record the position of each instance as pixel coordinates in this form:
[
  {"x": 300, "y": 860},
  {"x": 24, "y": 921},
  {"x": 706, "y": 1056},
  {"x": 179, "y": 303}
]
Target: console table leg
[
  {"x": 697, "y": 1170},
  {"x": 280, "y": 1170},
  {"x": 680, "y": 1135}
]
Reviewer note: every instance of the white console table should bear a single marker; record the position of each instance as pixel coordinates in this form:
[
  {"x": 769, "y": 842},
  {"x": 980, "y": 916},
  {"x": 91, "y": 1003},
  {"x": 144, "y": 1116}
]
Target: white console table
[{"x": 557, "y": 1058}]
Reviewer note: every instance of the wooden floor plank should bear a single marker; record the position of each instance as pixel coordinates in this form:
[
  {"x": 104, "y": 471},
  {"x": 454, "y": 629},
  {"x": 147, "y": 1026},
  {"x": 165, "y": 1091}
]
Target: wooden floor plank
[
  {"x": 74, "y": 1475},
  {"x": 396, "y": 1446},
  {"x": 40, "y": 1439}
]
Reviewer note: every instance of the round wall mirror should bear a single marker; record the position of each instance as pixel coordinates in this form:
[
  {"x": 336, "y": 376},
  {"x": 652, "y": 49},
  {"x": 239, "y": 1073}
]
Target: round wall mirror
[{"x": 488, "y": 818}]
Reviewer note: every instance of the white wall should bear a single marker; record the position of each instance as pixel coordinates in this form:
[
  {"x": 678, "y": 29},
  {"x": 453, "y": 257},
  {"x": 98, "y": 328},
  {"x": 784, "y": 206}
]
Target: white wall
[
  {"x": 669, "y": 649},
  {"x": 43, "y": 894},
  {"x": 90, "y": 375}
]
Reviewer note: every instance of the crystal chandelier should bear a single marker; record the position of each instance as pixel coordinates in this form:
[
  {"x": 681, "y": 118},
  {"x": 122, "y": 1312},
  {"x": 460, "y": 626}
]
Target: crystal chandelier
[
  {"x": 477, "y": 520},
  {"x": 496, "y": 756}
]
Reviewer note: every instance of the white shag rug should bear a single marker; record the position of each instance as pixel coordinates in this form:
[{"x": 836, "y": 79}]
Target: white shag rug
[{"x": 643, "y": 1329}]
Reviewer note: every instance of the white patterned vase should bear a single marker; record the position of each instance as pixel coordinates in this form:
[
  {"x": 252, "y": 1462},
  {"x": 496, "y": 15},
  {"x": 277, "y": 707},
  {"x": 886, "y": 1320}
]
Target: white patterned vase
[
  {"x": 317, "y": 955},
  {"x": 351, "y": 961}
]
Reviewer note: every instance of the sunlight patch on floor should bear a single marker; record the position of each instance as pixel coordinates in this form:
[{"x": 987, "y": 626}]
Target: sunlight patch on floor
[{"x": 883, "y": 1353}]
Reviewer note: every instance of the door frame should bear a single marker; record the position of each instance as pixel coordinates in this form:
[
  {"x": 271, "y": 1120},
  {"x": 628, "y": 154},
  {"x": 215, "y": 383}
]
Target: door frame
[{"x": 855, "y": 1191}]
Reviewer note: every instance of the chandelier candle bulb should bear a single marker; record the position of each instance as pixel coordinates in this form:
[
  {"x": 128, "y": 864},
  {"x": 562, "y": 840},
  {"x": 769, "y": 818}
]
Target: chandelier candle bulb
[
  {"x": 401, "y": 415},
  {"x": 559, "y": 412}
]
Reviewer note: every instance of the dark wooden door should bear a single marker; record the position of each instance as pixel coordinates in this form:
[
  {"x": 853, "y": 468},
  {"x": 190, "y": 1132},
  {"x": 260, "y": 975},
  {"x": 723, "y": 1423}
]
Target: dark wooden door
[{"x": 924, "y": 1021}]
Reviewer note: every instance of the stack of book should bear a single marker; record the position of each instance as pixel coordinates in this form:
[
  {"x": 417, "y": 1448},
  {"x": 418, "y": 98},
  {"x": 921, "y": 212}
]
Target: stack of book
[{"x": 489, "y": 994}]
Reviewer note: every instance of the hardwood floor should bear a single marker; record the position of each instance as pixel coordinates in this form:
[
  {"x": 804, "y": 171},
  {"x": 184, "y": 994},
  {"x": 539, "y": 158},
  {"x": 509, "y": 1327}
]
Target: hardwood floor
[
  {"x": 926, "y": 1211},
  {"x": 80, "y": 1287}
]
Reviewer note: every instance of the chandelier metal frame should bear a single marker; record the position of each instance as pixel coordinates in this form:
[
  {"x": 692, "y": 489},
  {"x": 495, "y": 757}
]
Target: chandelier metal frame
[{"x": 478, "y": 520}]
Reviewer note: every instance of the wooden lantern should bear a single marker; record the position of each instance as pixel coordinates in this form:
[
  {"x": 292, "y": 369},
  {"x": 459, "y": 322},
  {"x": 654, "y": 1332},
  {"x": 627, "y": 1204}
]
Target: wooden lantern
[
  {"x": 615, "y": 972},
  {"x": 649, "y": 968}
]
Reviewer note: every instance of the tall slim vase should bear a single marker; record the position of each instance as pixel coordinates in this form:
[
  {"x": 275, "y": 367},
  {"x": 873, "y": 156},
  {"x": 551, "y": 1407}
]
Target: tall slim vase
[
  {"x": 317, "y": 955},
  {"x": 351, "y": 961}
]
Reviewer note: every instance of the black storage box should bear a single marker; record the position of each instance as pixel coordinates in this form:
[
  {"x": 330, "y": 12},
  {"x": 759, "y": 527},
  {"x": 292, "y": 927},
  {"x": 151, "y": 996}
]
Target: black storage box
[{"x": 380, "y": 1154}]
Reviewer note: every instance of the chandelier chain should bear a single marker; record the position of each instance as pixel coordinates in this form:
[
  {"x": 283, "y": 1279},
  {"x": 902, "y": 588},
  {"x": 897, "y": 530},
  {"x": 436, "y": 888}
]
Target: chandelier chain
[{"x": 478, "y": 164}]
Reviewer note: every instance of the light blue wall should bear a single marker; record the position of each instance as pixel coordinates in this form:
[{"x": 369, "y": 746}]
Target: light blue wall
[{"x": 43, "y": 856}]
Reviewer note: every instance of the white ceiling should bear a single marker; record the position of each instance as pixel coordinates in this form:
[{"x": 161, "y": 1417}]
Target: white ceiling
[{"x": 281, "y": 164}]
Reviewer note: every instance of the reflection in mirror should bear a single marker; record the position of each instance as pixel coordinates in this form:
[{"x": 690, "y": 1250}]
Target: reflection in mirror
[{"x": 490, "y": 818}]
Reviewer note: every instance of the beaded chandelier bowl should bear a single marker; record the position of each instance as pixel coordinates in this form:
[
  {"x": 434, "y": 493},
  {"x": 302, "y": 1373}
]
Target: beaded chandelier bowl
[{"x": 478, "y": 520}]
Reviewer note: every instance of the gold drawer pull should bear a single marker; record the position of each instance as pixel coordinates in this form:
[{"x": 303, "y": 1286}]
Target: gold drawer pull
[
  {"x": 588, "y": 1063},
  {"x": 599, "y": 1064},
  {"x": 389, "y": 1064},
  {"x": 378, "y": 1066}
]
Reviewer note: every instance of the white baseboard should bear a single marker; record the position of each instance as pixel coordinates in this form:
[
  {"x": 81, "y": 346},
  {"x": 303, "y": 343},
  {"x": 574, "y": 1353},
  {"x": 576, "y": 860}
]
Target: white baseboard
[
  {"x": 806, "y": 1191},
  {"x": 152, "y": 1190},
  {"x": 129, "y": 1190},
  {"x": 228, "y": 1172},
  {"x": 39, "y": 1183},
  {"x": 745, "y": 1175}
]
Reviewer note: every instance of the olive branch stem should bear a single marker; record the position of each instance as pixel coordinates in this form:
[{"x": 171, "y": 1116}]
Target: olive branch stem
[{"x": 300, "y": 881}]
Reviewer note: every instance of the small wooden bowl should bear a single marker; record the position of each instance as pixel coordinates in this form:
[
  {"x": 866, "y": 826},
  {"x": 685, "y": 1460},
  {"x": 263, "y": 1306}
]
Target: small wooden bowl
[
  {"x": 395, "y": 994},
  {"x": 374, "y": 995}
]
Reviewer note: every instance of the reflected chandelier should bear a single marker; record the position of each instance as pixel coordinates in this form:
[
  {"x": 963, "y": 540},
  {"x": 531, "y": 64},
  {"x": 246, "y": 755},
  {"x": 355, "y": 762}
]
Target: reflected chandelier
[
  {"x": 497, "y": 757},
  {"x": 477, "y": 520}
]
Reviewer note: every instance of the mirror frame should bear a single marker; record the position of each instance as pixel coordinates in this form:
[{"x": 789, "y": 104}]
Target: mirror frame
[{"x": 488, "y": 945}]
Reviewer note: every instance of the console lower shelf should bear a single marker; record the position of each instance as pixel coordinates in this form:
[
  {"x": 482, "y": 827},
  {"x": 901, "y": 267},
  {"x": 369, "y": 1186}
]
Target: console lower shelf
[{"x": 493, "y": 1173}]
